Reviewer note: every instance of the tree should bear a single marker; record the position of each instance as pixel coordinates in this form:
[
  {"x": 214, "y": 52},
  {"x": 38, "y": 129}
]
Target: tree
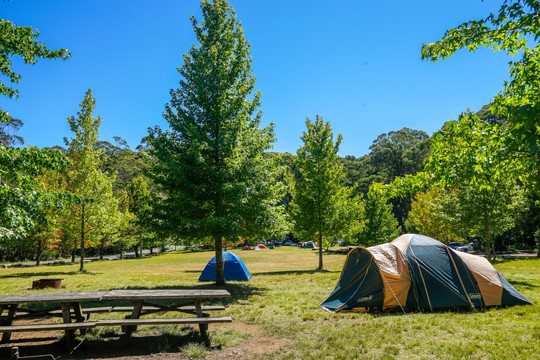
[
  {"x": 17, "y": 40},
  {"x": 427, "y": 216},
  {"x": 360, "y": 173},
  {"x": 216, "y": 182},
  {"x": 514, "y": 30},
  {"x": 399, "y": 153},
  {"x": 121, "y": 161},
  {"x": 464, "y": 159},
  {"x": 323, "y": 208},
  {"x": 8, "y": 132},
  {"x": 23, "y": 200},
  {"x": 380, "y": 224},
  {"x": 138, "y": 197},
  {"x": 485, "y": 212},
  {"x": 521, "y": 236},
  {"x": 93, "y": 217}
]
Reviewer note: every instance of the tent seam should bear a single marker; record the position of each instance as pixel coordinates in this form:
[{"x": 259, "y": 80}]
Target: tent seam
[
  {"x": 422, "y": 276},
  {"x": 459, "y": 277}
]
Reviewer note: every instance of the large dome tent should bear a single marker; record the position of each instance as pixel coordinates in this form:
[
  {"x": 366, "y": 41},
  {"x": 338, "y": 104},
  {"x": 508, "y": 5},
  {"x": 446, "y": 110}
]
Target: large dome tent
[{"x": 415, "y": 271}]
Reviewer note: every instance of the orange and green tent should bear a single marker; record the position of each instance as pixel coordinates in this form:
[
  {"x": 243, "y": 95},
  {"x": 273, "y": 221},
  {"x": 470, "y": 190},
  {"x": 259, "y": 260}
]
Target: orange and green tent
[{"x": 418, "y": 272}]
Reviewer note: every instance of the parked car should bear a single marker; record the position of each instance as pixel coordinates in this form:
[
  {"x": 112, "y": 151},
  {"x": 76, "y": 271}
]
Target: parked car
[
  {"x": 454, "y": 245},
  {"x": 288, "y": 243},
  {"x": 465, "y": 248}
]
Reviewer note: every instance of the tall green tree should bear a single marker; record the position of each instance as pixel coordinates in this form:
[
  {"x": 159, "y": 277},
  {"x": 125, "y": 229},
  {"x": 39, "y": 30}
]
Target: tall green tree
[
  {"x": 210, "y": 166},
  {"x": 93, "y": 217},
  {"x": 20, "y": 41},
  {"x": 380, "y": 224},
  {"x": 323, "y": 208},
  {"x": 514, "y": 30},
  {"x": 464, "y": 159},
  {"x": 139, "y": 201},
  {"x": 485, "y": 212},
  {"x": 399, "y": 153}
]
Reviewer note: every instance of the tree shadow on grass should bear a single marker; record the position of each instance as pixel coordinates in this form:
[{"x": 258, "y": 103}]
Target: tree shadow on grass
[
  {"x": 47, "y": 274},
  {"x": 376, "y": 313},
  {"x": 294, "y": 272},
  {"x": 342, "y": 252},
  {"x": 524, "y": 284}
]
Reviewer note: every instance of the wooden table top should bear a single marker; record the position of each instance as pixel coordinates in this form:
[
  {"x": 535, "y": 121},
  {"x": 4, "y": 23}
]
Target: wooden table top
[
  {"x": 113, "y": 295},
  {"x": 165, "y": 294},
  {"x": 52, "y": 297}
]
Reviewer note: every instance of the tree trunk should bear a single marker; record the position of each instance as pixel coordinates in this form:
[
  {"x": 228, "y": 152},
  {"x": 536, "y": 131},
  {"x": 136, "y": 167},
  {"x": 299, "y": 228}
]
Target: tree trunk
[
  {"x": 537, "y": 241},
  {"x": 220, "y": 279},
  {"x": 102, "y": 247},
  {"x": 488, "y": 249},
  {"x": 73, "y": 251},
  {"x": 141, "y": 245},
  {"x": 151, "y": 250},
  {"x": 38, "y": 252},
  {"x": 320, "y": 252},
  {"x": 121, "y": 254},
  {"x": 81, "y": 267}
]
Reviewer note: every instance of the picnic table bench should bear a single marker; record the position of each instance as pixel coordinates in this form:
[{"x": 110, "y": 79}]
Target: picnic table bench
[{"x": 143, "y": 303}]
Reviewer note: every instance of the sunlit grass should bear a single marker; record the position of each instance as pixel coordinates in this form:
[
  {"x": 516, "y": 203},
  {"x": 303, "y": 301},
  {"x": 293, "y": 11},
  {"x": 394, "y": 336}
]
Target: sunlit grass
[{"x": 283, "y": 298}]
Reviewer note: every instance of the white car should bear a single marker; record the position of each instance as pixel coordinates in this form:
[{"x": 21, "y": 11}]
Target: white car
[{"x": 465, "y": 248}]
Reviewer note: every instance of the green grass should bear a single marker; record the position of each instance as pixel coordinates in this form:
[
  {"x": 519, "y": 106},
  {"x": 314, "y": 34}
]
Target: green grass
[{"x": 283, "y": 298}]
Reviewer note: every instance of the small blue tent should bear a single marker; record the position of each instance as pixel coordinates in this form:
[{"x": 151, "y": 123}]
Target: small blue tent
[{"x": 235, "y": 270}]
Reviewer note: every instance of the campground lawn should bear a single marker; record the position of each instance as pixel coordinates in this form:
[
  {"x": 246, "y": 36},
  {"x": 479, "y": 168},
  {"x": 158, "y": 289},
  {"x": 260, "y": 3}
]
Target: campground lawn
[{"x": 283, "y": 300}]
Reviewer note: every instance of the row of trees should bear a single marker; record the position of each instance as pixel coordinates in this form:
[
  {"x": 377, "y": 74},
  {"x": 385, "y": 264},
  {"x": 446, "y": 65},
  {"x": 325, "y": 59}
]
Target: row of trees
[
  {"x": 74, "y": 198},
  {"x": 211, "y": 178}
]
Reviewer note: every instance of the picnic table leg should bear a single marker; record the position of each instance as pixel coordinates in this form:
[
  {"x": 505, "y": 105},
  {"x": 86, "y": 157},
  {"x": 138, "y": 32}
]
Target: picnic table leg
[
  {"x": 135, "y": 314},
  {"x": 77, "y": 311},
  {"x": 79, "y": 316},
  {"x": 66, "y": 316},
  {"x": 202, "y": 327},
  {"x": 12, "y": 310}
]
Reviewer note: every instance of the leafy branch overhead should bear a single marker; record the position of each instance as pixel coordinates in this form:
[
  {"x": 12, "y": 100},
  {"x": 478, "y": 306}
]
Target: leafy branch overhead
[
  {"x": 21, "y": 41},
  {"x": 515, "y": 29}
]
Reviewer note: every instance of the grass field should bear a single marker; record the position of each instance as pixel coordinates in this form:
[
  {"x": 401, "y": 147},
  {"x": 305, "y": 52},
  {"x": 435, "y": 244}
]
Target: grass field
[{"x": 283, "y": 299}]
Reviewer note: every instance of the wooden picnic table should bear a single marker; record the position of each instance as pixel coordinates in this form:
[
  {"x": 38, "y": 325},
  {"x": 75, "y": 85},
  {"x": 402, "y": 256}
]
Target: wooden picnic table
[
  {"x": 68, "y": 304},
  {"x": 185, "y": 300}
]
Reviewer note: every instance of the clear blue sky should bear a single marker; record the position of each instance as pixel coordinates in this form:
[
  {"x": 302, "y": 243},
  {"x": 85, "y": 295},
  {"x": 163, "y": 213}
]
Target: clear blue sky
[{"x": 356, "y": 63}]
